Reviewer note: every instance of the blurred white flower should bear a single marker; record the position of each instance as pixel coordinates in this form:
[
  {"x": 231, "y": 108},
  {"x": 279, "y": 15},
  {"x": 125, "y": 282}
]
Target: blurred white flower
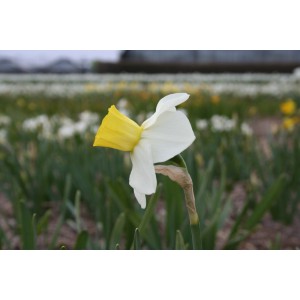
[
  {"x": 34, "y": 124},
  {"x": 122, "y": 106},
  {"x": 246, "y": 129},
  {"x": 89, "y": 118},
  {"x": 141, "y": 117},
  {"x": 296, "y": 73},
  {"x": 222, "y": 123},
  {"x": 201, "y": 124},
  {"x": 40, "y": 123},
  {"x": 61, "y": 127},
  {"x": 4, "y": 120},
  {"x": 3, "y": 136},
  {"x": 66, "y": 132},
  {"x": 81, "y": 127},
  {"x": 123, "y": 103},
  {"x": 94, "y": 129},
  {"x": 63, "y": 120}
]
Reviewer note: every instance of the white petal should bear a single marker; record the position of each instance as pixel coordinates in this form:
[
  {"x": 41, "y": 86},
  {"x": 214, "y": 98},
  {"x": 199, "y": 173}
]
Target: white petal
[
  {"x": 167, "y": 103},
  {"x": 141, "y": 198},
  {"x": 169, "y": 135},
  {"x": 142, "y": 177},
  {"x": 170, "y": 101}
]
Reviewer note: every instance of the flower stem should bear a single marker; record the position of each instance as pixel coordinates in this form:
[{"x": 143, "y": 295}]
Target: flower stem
[
  {"x": 179, "y": 174},
  {"x": 193, "y": 215}
]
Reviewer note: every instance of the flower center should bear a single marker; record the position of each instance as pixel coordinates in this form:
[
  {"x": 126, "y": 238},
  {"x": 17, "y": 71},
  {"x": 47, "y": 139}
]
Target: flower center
[{"x": 118, "y": 131}]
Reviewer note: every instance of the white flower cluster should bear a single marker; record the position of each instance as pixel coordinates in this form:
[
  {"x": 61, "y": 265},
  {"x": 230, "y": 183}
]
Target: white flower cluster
[
  {"x": 219, "y": 123},
  {"x": 246, "y": 129},
  {"x": 61, "y": 128},
  {"x": 41, "y": 123},
  {"x": 222, "y": 123},
  {"x": 70, "y": 85},
  {"x": 5, "y": 120},
  {"x": 149, "y": 78}
]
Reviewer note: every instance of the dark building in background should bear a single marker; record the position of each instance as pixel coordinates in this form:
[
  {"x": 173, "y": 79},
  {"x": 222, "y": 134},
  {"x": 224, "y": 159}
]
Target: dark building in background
[
  {"x": 212, "y": 56},
  {"x": 175, "y": 61}
]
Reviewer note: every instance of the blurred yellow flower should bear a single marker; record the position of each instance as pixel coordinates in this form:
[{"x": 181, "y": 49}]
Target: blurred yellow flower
[
  {"x": 21, "y": 102},
  {"x": 122, "y": 85},
  {"x": 215, "y": 99},
  {"x": 288, "y": 107},
  {"x": 289, "y": 123},
  {"x": 169, "y": 87},
  {"x": 32, "y": 106},
  {"x": 90, "y": 87},
  {"x": 252, "y": 110}
]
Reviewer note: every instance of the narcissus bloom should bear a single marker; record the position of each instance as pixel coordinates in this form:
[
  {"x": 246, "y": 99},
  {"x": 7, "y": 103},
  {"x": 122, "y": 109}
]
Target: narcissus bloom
[
  {"x": 165, "y": 134},
  {"x": 289, "y": 123},
  {"x": 288, "y": 107}
]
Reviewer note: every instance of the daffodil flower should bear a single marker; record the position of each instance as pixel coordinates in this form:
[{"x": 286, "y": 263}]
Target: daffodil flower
[{"x": 165, "y": 134}]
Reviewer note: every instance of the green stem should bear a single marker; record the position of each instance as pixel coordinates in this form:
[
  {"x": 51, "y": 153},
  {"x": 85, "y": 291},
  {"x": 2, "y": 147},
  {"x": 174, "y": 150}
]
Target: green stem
[
  {"x": 193, "y": 215},
  {"x": 196, "y": 236}
]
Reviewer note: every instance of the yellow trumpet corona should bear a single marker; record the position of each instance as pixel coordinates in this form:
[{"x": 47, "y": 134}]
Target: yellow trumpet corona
[{"x": 118, "y": 131}]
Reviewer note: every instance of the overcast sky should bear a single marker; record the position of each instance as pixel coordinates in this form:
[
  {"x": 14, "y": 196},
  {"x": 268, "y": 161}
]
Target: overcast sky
[{"x": 41, "y": 57}]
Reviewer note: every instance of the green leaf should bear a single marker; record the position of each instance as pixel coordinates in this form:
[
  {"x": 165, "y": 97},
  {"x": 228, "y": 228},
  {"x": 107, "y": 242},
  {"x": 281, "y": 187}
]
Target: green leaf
[
  {"x": 82, "y": 240},
  {"x": 179, "y": 244},
  {"x": 266, "y": 202},
  {"x": 77, "y": 210},
  {"x": 196, "y": 236},
  {"x": 149, "y": 210},
  {"x": 61, "y": 219},
  {"x": 136, "y": 240},
  {"x": 238, "y": 221},
  {"x": 177, "y": 161},
  {"x": 34, "y": 228},
  {"x": 26, "y": 222},
  {"x": 117, "y": 231},
  {"x": 42, "y": 223},
  {"x": 144, "y": 226}
]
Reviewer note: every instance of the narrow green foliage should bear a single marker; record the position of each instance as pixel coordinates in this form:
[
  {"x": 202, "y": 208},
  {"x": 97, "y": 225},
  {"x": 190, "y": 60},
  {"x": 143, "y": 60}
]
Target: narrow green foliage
[
  {"x": 196, "y": 236},
  {"x": 177, "y": 161},
  {"x": 77, "y": 211},
  {"x": 243, "y": 226},
  {"x": 136, "y": 240},
  {"x": 179, "y": 245},
  {"x": 266, "y": 202},
  {"x": 26, "y": 226},
  {"x": 63, "y": 211},
  {"x": 117, "y": 231},
  {"x": 150, "y": 210},
  {"x": 42, "y": 223},
  {"x": 82, "y": 241},
  {"x": 34, "y": 229}
]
